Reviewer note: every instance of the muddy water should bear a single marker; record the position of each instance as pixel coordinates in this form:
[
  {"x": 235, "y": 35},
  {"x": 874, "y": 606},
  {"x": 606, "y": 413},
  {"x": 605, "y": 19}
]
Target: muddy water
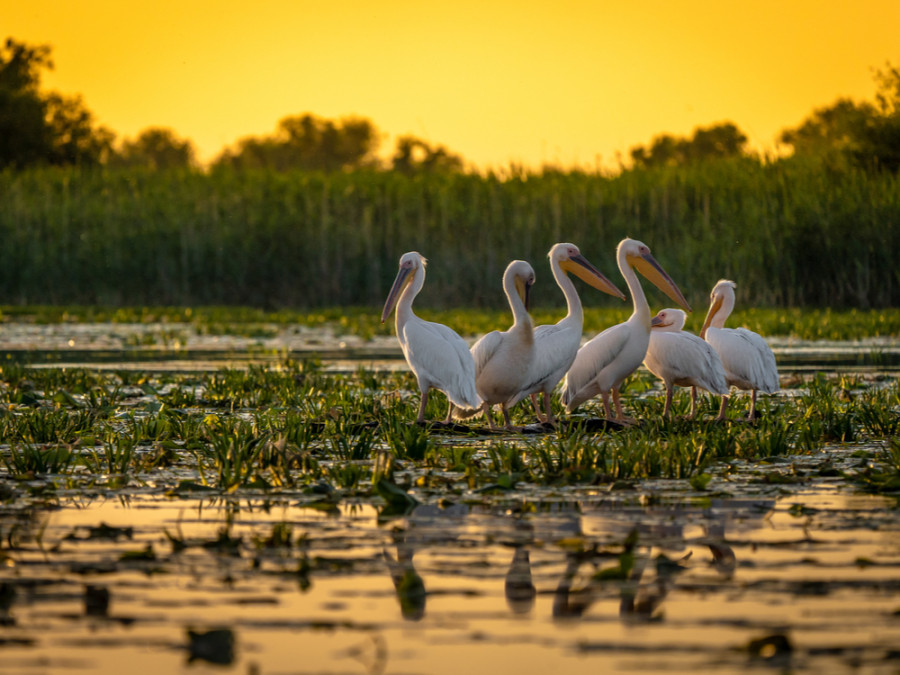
[{"x": 746, "y": 576}]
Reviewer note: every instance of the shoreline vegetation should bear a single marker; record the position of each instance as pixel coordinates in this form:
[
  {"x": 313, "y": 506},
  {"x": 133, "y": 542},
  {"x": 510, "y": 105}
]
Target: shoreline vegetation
[{"x": 792, "y": 234}]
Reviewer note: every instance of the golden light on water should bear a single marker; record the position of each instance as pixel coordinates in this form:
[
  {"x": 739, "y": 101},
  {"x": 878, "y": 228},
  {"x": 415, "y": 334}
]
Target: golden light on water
[{"x": 569, "y": 82}]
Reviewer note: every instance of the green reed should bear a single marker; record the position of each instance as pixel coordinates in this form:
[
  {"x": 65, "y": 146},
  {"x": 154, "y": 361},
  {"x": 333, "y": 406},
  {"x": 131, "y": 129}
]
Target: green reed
[{"x": 790, "y": 233}]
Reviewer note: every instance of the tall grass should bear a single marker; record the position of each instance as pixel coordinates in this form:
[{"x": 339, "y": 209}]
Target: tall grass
[{"x": 789, "y": 233}]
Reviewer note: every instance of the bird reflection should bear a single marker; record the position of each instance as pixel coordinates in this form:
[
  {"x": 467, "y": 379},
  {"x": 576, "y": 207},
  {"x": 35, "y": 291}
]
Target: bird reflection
[
  {"x": 640, "y": 599},
  {"x": 408, "y": 583},
  {"x": 569, "y": 600},
  {"x": 519, "y": 588},
  {"x": 425, "y": 525}
]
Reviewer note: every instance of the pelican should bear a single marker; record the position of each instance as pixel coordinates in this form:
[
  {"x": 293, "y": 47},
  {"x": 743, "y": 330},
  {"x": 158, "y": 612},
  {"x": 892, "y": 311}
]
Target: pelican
[
  {"x": 502, "y": 359},
  {"x": 437, "y": 355},
  {"x": 604, "y": 362},
  {"x": 681, "y": 358},
  {"x": 555, "y": 345},
  {"x": 749, "y": 362}
]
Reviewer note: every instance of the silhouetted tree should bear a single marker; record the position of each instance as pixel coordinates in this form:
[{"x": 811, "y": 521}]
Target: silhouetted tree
[
  {"x": 413, "y": 155},
  {"x": 834, "y": 128},
  {"x": 308, "y": 142},
  {"x": 866, "y": 134},
  {"x": 42, "y": 128},
  {"x": 156, "y": 148},
  {"x": 717, "y": 141}
]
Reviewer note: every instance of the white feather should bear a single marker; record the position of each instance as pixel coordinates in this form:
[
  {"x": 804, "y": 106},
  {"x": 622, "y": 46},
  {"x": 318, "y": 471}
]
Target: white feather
[{"x": 437, "y": 355}]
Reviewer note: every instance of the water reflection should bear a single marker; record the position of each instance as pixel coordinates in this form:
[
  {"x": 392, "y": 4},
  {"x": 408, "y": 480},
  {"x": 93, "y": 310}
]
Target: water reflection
[
  {"x": 589, "y": 583},
  {"x": 518, "y": 586}
]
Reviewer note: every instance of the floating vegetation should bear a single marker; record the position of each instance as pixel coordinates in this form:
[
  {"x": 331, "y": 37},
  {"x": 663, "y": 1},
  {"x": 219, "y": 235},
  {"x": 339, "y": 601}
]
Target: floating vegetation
[{"x": 270, "y": 427}]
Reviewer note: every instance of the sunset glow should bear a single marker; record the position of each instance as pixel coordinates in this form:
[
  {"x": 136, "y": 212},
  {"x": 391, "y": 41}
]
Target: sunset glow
[{"x": 572, "y": 83}]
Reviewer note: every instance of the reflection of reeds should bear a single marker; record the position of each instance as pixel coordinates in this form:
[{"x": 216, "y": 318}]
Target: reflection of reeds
[{"x": 790, "y": 234}]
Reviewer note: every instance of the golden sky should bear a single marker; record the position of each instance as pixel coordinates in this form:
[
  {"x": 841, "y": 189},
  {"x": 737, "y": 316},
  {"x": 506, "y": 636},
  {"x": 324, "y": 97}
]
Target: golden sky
[{"x": 497, "y": 81}]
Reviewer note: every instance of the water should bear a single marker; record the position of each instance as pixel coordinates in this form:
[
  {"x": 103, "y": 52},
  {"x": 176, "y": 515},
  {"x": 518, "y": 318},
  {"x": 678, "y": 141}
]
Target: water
[
  {"x": 479, "y": 587},
  {"x": 746, "y": 576}
]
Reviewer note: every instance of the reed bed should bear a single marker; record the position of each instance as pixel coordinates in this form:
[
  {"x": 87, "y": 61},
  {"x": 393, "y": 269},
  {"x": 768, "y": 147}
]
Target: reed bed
[{"x": 791, "y": 234}]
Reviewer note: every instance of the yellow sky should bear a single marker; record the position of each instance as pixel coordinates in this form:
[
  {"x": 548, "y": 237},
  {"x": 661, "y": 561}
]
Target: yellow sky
[{"x": 528, "y": 81}]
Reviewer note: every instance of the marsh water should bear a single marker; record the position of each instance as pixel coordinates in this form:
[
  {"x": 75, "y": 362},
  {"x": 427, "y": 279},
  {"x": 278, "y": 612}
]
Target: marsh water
[{"x": 749, "y": 574}]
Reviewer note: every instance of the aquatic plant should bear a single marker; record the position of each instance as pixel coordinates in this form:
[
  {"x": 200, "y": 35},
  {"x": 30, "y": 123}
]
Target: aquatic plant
[{"x": 32, "y": 460}]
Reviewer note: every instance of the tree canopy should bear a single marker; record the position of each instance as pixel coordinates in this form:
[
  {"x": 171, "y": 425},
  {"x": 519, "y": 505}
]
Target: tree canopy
[
  {"x": 156, "y": 148},
  {"x": 714, "y": 142},
  {"x": 38, "y": 127},
  {"x": 43, "y": 128},
  {"x": 865, "y": 134},
  {"x": 308, "y": 142}
]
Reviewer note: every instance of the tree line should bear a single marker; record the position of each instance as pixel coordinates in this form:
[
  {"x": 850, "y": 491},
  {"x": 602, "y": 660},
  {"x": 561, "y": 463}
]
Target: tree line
[{"x": 48, "y": 128}]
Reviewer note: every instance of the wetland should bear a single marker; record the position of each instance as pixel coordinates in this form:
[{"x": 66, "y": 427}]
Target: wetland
[{"x": 255, "y": 500}]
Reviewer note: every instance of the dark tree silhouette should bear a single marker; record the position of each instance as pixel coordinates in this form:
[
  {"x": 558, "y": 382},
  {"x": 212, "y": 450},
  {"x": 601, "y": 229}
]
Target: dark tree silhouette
[
  {"x": 715, "y": 142},
  {"x": 308, "y": 142},
  {"x": 156, "y": 148},
  {"x": 865, "y": 134},
  {"x": 413, "y": 155},
  {"x": 38, "y": 128}
]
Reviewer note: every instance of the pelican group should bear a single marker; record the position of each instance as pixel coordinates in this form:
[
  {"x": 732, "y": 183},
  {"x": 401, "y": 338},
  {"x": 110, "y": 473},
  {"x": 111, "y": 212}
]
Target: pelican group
[
  {"x": 503, "y": 358},
  {"x": 682, "y": 359},
  {"x": 437, "y": 355},
  {"x": 604, "y": 362},
  {"x": 748, "y": 360},
  {"x": 555, "y": 345}
]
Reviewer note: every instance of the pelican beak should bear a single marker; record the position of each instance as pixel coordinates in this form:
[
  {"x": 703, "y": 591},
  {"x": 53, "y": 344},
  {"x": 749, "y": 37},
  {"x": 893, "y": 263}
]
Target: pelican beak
[
  {"x": 523, "y": 288},
  {"x": 713, "y": 309},
  {"x": 403, "y": 278},
  {"x": 656, "y": 321},
  {"x": 647, "y": 265},
  {"x": 581, "y": 268}
]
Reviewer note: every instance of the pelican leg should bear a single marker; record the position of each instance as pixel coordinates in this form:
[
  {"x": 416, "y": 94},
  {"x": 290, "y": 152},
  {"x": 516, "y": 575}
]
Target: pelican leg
[
  {"x": 449, "y": 419},
  {"x": 506, "y": 418},
  {"x": 620, "y": 414},
  {"x": 670, "y": 391},
  {"x": 486, "y": 409},
  {"x": 606, "y": 408},
  {"x": 548, "y": 409},
  {"x": 722, "y": 408},
  {"x": 420, "y": 419},
  {"x": 693, "y": 403},
  {"x": 537, "y": 408},
  {"x": 752, "y": 412}
]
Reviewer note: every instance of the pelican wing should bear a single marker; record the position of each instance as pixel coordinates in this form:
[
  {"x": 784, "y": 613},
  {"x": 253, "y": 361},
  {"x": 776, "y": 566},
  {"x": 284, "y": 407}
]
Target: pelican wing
[
  {"x": 440, "y": 358},
  {"x": 684, "y": 359},
  {"x": 554, "y": 351},
  {"x": 591, "y": 360},
  {"x": 483, "y": 350},
  {"x": 747, "y": 358}
]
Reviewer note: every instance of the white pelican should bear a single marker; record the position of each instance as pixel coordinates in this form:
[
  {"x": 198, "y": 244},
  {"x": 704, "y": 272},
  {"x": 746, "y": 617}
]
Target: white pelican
[
  {"x": 502, "y": 359},
  {"x": 748, "y": 360},
  {"x": 437, "y": 355},
  {"x": 605, "y": 361},
  {"x": 683, "y": 359},
  {"x": 555, "y": 345}
]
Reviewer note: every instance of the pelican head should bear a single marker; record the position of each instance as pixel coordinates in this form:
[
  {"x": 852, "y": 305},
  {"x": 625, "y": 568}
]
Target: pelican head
[
  {"x": 721, "y": 302},
  {"x": 410, "y": 263},
  {"x": 522, "y": 275},
  {"x": 571, "y": 261},
  {"x": 671, "y": 319},
  {"x": 637, "y": 255}
]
